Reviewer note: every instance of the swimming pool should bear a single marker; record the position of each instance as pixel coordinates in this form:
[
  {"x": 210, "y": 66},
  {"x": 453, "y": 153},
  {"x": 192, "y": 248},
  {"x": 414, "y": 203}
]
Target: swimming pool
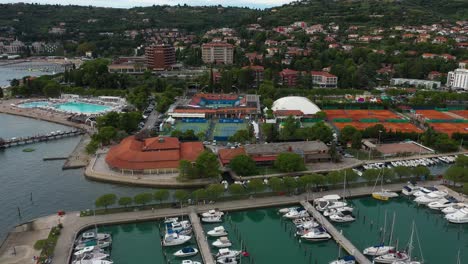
[
  {"x": 78, "y": 107},
  {"x": 34, "y": 104}
]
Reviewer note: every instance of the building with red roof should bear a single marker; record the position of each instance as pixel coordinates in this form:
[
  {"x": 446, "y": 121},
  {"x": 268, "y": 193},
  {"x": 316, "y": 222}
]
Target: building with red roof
[
  {"x": 289, "y": 77},
  {"x": 324, "y": 79},
  {"x": 152, "y": 155}
]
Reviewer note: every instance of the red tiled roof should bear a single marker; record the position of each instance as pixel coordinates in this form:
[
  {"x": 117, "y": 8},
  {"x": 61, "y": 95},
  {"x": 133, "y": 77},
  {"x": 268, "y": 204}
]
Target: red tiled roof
[
  {"x": 217, "y": 44},
  {"x": 226, "y": 155},
  {"x": 322, "y": 73},
  {"x": 131, "y": 154},
  {"x": 288, "y": 113}
]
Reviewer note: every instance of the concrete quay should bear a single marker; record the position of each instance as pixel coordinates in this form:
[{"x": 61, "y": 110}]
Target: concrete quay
[
  {"x": 202, "y": 242},
  {"x": 337, "y": 235}
]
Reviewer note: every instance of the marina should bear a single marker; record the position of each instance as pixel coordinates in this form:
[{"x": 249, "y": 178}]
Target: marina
[{"x": 14, "y": 141}]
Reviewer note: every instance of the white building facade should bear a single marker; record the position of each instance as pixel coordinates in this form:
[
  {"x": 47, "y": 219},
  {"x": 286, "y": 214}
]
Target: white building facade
[{"x": 458, "y": 79}]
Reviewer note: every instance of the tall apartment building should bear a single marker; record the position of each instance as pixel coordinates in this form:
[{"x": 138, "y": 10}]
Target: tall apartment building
[
  {"x": 218, "y": 52},
  {"x": 458, "y": 79},
  {"x": 160, "y": 57}
]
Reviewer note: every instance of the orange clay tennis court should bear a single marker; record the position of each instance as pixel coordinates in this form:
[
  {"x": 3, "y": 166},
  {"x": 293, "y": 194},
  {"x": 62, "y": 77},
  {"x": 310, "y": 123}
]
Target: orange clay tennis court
[
  {"x": 402, "y": 127},
  {"x": 462, "y": 113},
  {"x": 450, "y": 128},
  {"x": 433, "y": 114},
  {"x": 356, "y": 115}
]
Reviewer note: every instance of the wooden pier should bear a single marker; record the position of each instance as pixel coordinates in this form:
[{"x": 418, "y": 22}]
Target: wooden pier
[
  {"x": 203, "y": 245},
  {"x": 39, "y": 138},
  {"x": 337, "y": 235}
]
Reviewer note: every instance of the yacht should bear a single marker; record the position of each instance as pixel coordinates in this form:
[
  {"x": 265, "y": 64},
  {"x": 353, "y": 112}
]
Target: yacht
[
  {"x": 186, "y": 252},
  {"x": 343, "y": 217},
  {"x": 212, "y": 219},
  {"x": 377, "y": 250},
  {"x": 329, "y": 212},
  {"x": 179, "y": 226},
  {"x": 213, "y": 212},
  {"x": 306, "y": 227},
  {"x": 300, "y": 221},
  {"x": 222, "y": 242},
  {"x": 442, "y": 203},
  {"x": 409, "y": 189},
  {"x": 298, "y": 213},
  {"x": 92, "y": 256},
  {"x": 188, "y": 261},
  {"x": 217, "y": 232},
  {"x": 90, "y": 236},
  {"x": 430, "y": 197},
  {"x": 453, "y": 208},
  {"x": 227, "y": 261},
  {"x": 459, "y": 217},
  {"x": 329, "y": 202},
  {"x": 384, "y": 195},
  {"x": 173, "y": 239},
  {"x": 93, "y": 261},
  {"x": 424, "y": 190},
  {"x": 345, "y": 260},
  {"x": 287, "y": 209},
  {"x": 227, "y": 253},
  {"x": 80, "y": 253},
  {"x": 317, "y": 234},
  {"x": 100, "y": 244},
  {"x": 171, "y": 219},
  {"x": 391, "y": 257}
]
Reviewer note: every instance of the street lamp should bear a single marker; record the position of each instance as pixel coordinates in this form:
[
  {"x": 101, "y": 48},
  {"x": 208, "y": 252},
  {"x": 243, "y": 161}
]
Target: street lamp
[{"x": 380, "y": 133}]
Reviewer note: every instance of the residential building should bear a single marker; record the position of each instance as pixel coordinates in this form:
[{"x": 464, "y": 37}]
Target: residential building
[
  {"x": 416, "y": 83},
  {"x": 458, "y": 79},
  {"x": 288, "y": 77},
  {"x": 130, "y": 65},
  {"x": 323, "y": 79},
  {"x": 218, "y": 52},
  {"x": 160, "y": 57},
  {"x": 257, "y": 72}
]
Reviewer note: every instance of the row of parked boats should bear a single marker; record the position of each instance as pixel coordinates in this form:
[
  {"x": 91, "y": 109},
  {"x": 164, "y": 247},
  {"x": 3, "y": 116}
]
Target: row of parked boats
[
  {"x": 92, "y": 247},
  {"x": 411, "y": 163},
  {"x": 455, "y": 211}
]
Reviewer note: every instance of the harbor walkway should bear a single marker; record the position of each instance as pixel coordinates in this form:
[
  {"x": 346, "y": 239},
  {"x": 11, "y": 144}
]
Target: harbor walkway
[
  {"x": 73, "y": 223},
  {"x": 337, "y": 235},
  {"x": 201, "y": 238}
]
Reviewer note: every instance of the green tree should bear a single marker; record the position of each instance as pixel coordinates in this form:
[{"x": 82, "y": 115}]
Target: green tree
[
  {"x": 214, "y": 191},
  {"x": 236, "y": 189},
  {"x": 207, "y": 165},
  {"x": 181, "y": 195},
  {"x": 351, "y": 176},
  {"x": 289, "y": 127},
  {"x": 161, "y": 195},
  {"x": 243, "y": 165},
  {"x": 371, "y": 174},
  {"x": 256, "y": 185},
  {"x": 421, "y": 171},
  {"x": 356, "y": 140},
  {"x": 321, "y": 114},
  {"x": 187, "y": 170},
  {"x": 402, "y": 171},
  {"x": 456, "y": 174},
  {"x": 52, "y": 89},
  {"x": 200, "y": 194},
  {"x": 346, "y": 134},
  {"x": 143, "y": 198},
  {"x": 241, "y": 136},
  {"x": 106, "y": 134},
  {"x": 317, "y": 179},
  {"x": 305, "y": 182},
  {"x": 290, "y": 183},
  {"x": 277, "y": 184},
  {"x": 125, "y": 201},
  {"x": 334, "y": 177},
  {"x": 289, "y": 162},
  {"x": 106, "y": 200}
]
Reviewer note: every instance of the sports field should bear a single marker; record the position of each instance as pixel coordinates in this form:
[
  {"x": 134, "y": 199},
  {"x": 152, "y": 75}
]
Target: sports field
[
  {"x": 450, "y": 128},
  {"x": 196, "y": 127},
  {"x": 225, "y": 130},
  {"x": 356, "y": 115},
  {"x": 462, "y": 113},
  {"x": 402, "y": 127},
  {"x": 433, "y": 114}
]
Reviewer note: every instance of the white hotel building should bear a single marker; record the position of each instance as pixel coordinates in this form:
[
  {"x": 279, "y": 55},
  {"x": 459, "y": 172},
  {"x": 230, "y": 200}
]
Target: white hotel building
[{"x": 458, "y": 79}]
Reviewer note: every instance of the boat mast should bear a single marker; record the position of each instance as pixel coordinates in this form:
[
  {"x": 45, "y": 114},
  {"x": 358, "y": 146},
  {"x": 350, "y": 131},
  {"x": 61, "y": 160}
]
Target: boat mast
[
  {"x": 410, "y": 243},
  {"x": 391, "y": 233},
  {"x": 344, "y": 186},
  {"x": 385, "y": 227}
]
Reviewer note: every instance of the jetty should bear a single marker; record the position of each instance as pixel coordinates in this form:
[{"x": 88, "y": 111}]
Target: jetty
[
  {"x": 337, "y": 235},
  {"x": 39, "y": 138},
  {"x": 201, "y": 238}
]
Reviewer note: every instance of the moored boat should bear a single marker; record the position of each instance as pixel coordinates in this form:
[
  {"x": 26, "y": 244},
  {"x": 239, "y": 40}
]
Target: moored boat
[
  {"x": 344, "y": 260},
  {"x": 186, "y": 252},
  {"x": 217, "y": 232},
  {"x": 317, "y": 234},
  {"x": 222, "y": 242},
  {"x": 377, "y": 250},
  {"x": 173, "y": 239}
]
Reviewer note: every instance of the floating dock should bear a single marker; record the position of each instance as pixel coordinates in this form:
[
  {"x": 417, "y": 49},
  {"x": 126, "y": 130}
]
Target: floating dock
[
  {"x": 201, "y": 238},
  {"x": 337, "y": 235},
  {"x": 39, "y": 138}
]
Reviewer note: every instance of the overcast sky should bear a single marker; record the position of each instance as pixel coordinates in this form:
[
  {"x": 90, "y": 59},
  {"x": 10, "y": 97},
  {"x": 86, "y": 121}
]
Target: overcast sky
[{"x": 132, "y": 3}]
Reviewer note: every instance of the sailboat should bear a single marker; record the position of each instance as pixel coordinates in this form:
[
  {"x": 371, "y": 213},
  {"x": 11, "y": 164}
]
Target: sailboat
[
  {"x": 380, "y": 249},
  {"x": 343, "y": 260},
  {"x": 383, "y": 195},
  {"x": 410, "y": 250},
  {"x": 392, "y": 255}
]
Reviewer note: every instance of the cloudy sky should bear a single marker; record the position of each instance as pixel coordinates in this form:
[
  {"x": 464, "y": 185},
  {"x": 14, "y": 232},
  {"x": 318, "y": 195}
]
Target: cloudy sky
[{"x": 132, "y": 3}]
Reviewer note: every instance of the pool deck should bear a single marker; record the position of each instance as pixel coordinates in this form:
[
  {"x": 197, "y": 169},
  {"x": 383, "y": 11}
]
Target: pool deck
[
  {"x": 337, "y": 235},
  {"x": 73, "y": 223},
  {"x": 201, "y": 238}
]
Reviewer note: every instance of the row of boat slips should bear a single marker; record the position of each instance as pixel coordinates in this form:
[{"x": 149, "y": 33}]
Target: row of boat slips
[
  {"x": 410, "y": 163},
  {"x": 455, "y": 211},
  {"x": 92, "y": 247}
]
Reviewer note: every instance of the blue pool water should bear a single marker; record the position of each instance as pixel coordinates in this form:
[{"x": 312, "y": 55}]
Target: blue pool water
[
  {"x": 33, "y": 104},
  {"x": 77, "y": 107},
  {"x": 74, "y": 107}
]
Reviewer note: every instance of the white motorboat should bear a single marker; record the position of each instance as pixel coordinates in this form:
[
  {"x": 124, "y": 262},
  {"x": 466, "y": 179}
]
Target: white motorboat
[
  {"x": 300, "y": 221},
  {"x": 212, "y": 219},
  {"x": 298, "y": 213},
  {"x": 227, "y": 253},
  {"x": 306, "y": 227},
  {"x": 377, "y": 250},
  {"x": 424, "y": 190},
  {"x": 409, "y": 189},
  {"x": 344, "y": 260},
  {"x": 286, "y": 210},
  {"x": 188, "y": 261},
  {"x": 343, "y": 217},
  {"x": 178, "y": 226},
  {"x": 93, "y": 261},
  {"x": 92, "y": 256},
  {"x": 329, "y": 212},
  {"x": 222, "y": 242},
  {"x": 452, "y": 209},
  {"x": 171, "y": 219},
  {"x": 442, "y": 203},
  {"x": 86, "y": 250},
  {"x": 317, "y": 234},
  {"x": 186, "y": 252},
  {"x": 90, "y": 236},
  {"x": 329, "y": 202},
  {"x": 213, "y": 212},
  {"x": 100, "y": 244},
  {"x": 430, "y": 197},
  {"x": 217, "y": 232},
  {"x": 173, "y": 239},
  {"x": 459, "y": 217},
  {"x": 227, "y": 261},
  {"x": 391, "y": 257}
]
